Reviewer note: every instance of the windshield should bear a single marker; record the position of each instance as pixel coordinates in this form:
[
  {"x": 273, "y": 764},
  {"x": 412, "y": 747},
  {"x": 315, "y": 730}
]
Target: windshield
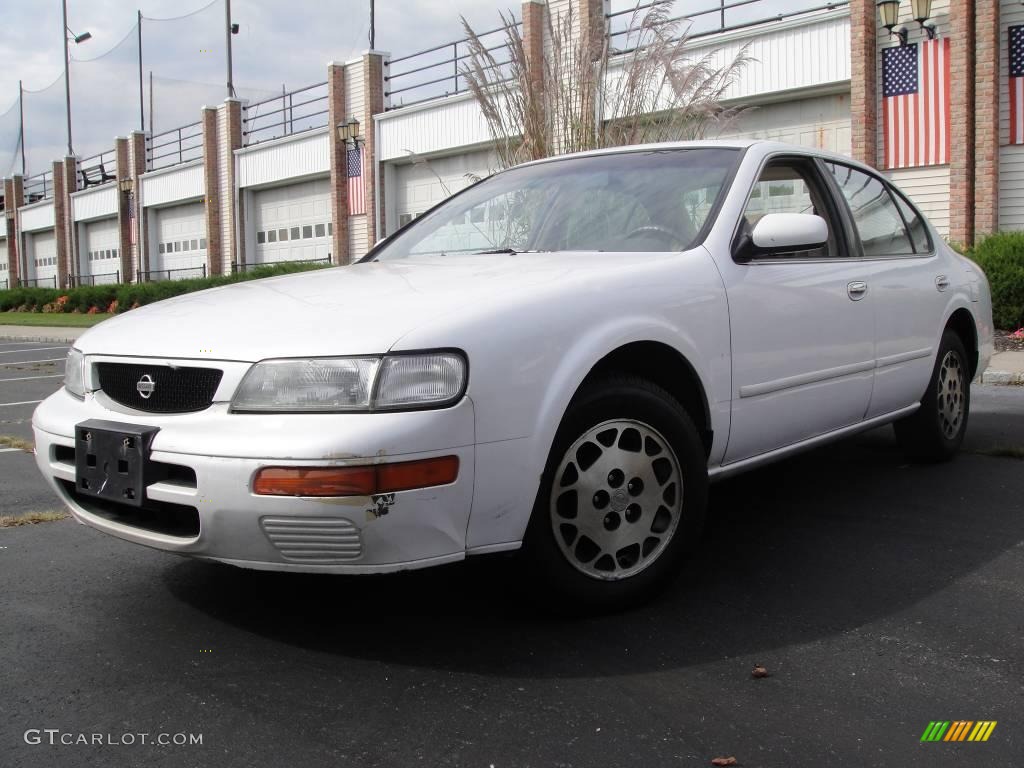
[{"x": 653, "y": 200}]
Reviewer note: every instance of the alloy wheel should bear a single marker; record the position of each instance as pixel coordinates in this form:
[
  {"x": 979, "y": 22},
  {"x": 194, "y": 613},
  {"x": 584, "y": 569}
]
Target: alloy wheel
[
  {"x": 951, "y": 395},
  {"x": 616, "y": 500}
]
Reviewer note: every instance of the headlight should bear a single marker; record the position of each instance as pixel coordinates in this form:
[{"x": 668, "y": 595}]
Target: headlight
[
  {"x": 347, "y": 384},
  {"x": 74, "y": 373}
]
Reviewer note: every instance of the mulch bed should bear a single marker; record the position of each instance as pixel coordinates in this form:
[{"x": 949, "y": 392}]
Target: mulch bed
[{"x": 1006, "y": 343}]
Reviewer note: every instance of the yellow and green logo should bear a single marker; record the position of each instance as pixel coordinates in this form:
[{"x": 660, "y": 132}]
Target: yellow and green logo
[{"x": 958, "y": 730}]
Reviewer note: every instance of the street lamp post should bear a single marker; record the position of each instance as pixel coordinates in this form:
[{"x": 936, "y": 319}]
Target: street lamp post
[{"x": 67, "y": 67}]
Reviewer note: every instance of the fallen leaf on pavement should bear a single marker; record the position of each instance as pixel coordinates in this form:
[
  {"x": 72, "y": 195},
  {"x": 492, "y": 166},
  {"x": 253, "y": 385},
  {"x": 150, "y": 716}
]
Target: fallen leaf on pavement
[
  {"x": 724, "y": 761},
  {"x": 759, "y": 671}
]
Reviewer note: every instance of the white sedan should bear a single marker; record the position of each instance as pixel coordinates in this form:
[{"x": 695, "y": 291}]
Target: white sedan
[{"x": 559, "y": 358}]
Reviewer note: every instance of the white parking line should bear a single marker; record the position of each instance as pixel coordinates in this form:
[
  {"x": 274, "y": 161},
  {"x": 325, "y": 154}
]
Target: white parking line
[
  {"x": 22, "y": 402},
  {"x": 33, "y": 378},
  {"x": 34, "y": 349},
  {"x": 8, "y": 450}
]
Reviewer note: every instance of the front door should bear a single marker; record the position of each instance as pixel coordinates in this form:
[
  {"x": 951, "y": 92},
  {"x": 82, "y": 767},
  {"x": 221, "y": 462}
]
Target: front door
[{"x": 802, "y": 324}]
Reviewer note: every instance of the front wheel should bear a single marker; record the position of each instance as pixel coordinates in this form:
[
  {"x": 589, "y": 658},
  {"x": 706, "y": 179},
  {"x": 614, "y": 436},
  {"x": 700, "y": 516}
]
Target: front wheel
[
  {"x": 621, "y": 499},
  {"x": 936, "y": 430}
]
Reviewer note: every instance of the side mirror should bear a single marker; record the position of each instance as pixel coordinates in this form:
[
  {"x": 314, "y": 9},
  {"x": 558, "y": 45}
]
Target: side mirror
[{"x": 786, "y": 232}]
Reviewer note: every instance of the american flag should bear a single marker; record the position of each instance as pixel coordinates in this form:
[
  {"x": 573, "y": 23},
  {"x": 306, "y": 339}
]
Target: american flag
[
  {"x": 915, "y": 104},
  {"x": 1016, "y": 46},
  {"x": 356, "y": 195}
]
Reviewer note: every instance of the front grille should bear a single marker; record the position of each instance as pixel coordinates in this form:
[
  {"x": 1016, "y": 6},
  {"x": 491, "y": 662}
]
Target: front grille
[
  {"x": 156, "y": 516},
  {"x": 173, "y": 389},
  {"x": 315, "y": 540}
]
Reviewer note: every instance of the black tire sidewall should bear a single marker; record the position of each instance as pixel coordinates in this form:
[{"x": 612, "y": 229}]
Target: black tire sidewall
[
  {"x": 922, "y": 433},
  {"x": 619, "y": 398}
]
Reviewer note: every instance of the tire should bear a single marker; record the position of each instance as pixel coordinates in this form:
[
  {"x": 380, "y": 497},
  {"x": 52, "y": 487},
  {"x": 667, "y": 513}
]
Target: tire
[
  {"x": 598, "y": 540},
  {"x": 935, "y": 431}
]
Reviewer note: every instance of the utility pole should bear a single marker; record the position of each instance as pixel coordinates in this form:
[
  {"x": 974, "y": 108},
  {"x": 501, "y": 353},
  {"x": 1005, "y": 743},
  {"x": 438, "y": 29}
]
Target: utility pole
[
  {"x": 21, "y": 115},
  {"x": 373, "y": 35},
  {"x": 227, "y": 33},
  {"x": 142, "y": 107},
  {"x": 67, "y": 73},
  {"x": 151, "y": 103}
]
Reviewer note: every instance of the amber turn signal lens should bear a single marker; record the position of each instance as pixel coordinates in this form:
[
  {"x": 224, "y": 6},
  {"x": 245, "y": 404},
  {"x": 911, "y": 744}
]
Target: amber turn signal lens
[{"x": 355, "y": 481}]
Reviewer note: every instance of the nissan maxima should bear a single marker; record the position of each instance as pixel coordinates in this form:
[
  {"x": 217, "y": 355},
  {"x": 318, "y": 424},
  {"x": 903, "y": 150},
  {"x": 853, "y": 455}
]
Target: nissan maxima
[{"x": 557, "y": 359}]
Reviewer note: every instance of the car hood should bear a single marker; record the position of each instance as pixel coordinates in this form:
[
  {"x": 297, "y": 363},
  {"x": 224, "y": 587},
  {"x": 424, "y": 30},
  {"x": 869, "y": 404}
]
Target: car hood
[{"x": 359, "y": 309}]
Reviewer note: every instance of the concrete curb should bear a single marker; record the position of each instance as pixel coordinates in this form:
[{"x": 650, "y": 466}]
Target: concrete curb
[
  {"x": 53, "y": 335},
  {"x": 1003, "y": 378}
]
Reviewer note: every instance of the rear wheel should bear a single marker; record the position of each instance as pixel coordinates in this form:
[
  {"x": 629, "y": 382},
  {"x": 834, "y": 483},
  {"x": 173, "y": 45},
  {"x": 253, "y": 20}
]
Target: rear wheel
[
  {"x": 622, "y": 497},
  {"x": 936, "y": 430}
]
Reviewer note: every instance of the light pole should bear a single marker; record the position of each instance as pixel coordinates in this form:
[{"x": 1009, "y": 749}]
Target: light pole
[
  {"x": 67, "y": 68},
  {"x": 230, "y": 29}
]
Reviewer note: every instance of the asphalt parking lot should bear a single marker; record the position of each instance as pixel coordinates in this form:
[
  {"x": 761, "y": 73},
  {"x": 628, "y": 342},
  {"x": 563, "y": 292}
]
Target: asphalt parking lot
[{"x": 879, "y": 595}]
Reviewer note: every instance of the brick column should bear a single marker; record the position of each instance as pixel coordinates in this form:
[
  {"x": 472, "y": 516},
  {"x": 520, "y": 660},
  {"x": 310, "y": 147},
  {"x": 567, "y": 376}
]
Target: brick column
[
  {"x": 592, "y": 24},
  {"x": 986, "y": 117},
  {"x": 961, "y": 129},
  {"x": 211, "y": 186},
  {"x": 140, "y": 228},
  {"x": 534, "y": 25},
  {"x": 14, "y": 198},
  {"x": 61, "y": 218},
  {"x": 124, "y": 216},
  {"x": 232, "y": 215},
  {"x": 339, "y": 180},
  {"x": 373, "y": 104},
  {"x": 70, "y": 170},
  {"x": 863, "y": 81}
]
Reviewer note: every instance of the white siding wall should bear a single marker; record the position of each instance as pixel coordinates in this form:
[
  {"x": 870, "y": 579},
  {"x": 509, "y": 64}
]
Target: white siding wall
[
  {"x": 94, "y": 203},
  {"x": 183, "y": 182},
  {"x": 1011, "y": 156},
  {"x": 36, "y": 216},
  {"x": 822, "y": 122},
  {"x": 290, "y": 157},
  {"x": 928, "y": 187},
  {"x": 433, "y": 127}
]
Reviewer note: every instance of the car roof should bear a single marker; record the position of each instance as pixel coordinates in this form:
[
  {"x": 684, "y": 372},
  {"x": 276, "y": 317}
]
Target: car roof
[{"x": 761, "y": 147}]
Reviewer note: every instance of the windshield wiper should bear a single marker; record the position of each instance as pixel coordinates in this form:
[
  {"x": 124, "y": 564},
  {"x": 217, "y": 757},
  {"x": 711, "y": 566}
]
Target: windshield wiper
[{"x": 511, "y": 251}]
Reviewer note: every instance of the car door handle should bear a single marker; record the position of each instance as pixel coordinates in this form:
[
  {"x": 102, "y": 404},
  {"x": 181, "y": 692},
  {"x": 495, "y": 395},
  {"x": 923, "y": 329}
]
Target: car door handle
[
  {"x": 857, "y": 289},
  {"x": 941, "y": 283}
]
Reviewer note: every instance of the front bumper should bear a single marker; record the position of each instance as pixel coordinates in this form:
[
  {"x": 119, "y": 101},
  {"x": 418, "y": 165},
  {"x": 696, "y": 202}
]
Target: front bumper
[{"x": 228, "y": 523}]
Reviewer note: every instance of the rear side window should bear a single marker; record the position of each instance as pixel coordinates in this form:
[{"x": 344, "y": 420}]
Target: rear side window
[
  {"x": 915, "y": 225},
  {"x": 879, "y": 222}
]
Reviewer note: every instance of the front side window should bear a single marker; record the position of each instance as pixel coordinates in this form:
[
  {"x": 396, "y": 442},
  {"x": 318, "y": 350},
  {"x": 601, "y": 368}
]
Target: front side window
[
  {"x": 879, "y": 223},
  {"x": 645, "y": 201},
  {"x": 792, "y": 186}
]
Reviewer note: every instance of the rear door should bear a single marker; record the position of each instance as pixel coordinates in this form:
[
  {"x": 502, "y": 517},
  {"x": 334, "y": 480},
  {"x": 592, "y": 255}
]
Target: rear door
[
  {"x": 908, "y": 281},
  {"x": 802, "y": 324}
]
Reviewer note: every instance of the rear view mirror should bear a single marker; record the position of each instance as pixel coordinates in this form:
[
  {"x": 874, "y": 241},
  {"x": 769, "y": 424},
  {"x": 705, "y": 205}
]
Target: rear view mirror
[{"x": 786, "y": 232}]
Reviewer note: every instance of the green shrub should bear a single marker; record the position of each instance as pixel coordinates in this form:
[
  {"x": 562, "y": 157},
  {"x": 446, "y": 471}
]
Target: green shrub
[
  {"x": 127, "y": 296},
  {"x": 1001, "y": 256}
]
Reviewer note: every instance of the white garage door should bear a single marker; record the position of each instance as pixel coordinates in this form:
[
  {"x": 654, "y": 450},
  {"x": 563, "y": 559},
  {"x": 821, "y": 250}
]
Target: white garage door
[
  {"x": 424, "y": 185},
  {"x": 43, "y": 255},
  {"x": 181, "y": 241},
  {"x": 5, "y": 272},
  {"x": 100, "y": 248},
  {"x": 293, "y": 223}
]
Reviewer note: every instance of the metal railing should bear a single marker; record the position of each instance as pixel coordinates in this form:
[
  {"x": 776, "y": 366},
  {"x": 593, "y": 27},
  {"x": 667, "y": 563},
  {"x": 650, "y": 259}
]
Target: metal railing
[
  {"x": 174, "y": 147},
  {"x": 98, "y": 169},
  {"x": 40, "y": 282},
  {"x": 726, "y": 16},
  {"x": 39, "y": 187},
  {"x": 238, "y": 266},
  {"x": 444, "y": 65},
  {"x": 156, "y": 275},
  {"x": 75, "y": 281},
  {"x": 303, "y": 109}
]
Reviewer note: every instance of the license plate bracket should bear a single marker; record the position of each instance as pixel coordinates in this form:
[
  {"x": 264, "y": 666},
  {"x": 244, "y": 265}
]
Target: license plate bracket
[{"x": 111, "y": 460}]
